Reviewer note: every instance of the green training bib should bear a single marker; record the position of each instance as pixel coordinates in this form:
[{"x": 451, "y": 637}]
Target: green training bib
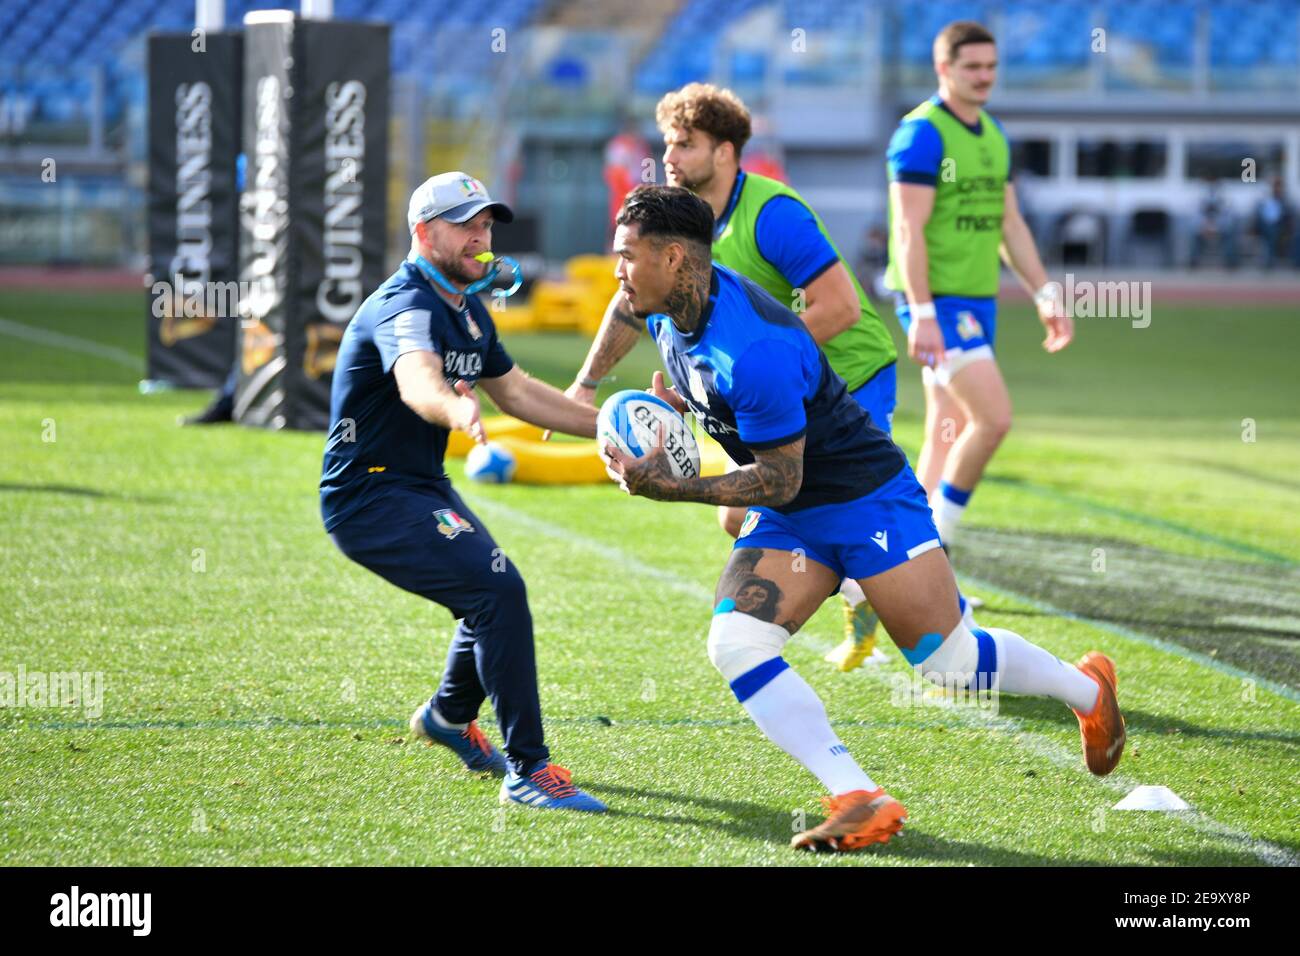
[
  {"x": 965, "y": 228},
  {"x": 857, "y": 353}
]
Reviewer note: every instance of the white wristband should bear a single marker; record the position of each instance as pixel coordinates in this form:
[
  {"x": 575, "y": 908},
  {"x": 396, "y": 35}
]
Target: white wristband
[
  {"x": 1046, "y": 295},
  {"x": 922, "y": 311}
]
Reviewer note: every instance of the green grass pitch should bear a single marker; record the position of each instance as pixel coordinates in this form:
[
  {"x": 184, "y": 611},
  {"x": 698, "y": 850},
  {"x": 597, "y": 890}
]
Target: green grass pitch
[{"x": 257, "y": 683}]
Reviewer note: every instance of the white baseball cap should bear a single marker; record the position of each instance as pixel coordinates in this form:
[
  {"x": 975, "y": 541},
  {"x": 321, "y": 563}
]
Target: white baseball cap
[{"x": 454, "y": 196}]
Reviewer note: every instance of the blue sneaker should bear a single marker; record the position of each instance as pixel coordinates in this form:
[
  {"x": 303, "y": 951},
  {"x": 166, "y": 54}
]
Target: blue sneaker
[
  {"x": 548, "y": 787},
  {"x": 470, "y": 744}
]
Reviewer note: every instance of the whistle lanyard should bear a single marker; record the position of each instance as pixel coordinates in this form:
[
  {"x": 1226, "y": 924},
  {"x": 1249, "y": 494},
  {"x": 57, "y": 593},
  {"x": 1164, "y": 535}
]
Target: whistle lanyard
[{"x": 438, "y": 279}]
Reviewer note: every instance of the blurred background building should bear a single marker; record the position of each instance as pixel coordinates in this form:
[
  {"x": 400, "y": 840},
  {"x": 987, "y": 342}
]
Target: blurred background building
[{"x": 1147, "y": 133}]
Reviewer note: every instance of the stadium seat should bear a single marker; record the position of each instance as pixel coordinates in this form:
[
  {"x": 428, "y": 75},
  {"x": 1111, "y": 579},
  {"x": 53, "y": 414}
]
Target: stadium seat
[
  {"x": 687, "y": 48},
  {"x": 1080, "y": 237},
  {"x": 1150, "y": 239}
]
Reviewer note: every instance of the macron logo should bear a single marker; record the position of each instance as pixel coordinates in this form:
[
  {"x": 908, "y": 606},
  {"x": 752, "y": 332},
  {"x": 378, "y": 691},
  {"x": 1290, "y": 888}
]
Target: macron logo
[
  {"x": 103, "y": 909},
  {"x": 881, "y": 538}
]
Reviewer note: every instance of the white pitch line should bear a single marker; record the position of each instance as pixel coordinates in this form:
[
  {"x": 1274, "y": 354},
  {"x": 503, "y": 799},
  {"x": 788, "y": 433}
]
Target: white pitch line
[
  {"x": 1037, "y": 743},
  {"x": 1069, "y": 760},
  {"x": 74, "y": 343},
  {"x": 675, "y": 581}
]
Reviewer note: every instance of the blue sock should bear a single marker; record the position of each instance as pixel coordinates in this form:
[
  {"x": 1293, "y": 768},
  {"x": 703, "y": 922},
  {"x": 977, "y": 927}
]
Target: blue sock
[{"x": 954, "y": 494}]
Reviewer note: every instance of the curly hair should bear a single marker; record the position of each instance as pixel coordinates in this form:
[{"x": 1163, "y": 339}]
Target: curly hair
[{"x": 709, "y": 109}]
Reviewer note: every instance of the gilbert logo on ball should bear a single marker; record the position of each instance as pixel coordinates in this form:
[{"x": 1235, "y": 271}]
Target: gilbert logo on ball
[
  {"x": 629, "y": 420},
  {"x": 492, "y": 464}
]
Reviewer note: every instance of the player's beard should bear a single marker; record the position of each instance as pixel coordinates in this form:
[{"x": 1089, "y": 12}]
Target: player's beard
[
  {"x": 636, "y": 310},
  {"x": 694, "y": 185},
  {"x": 455, "y": 270}
]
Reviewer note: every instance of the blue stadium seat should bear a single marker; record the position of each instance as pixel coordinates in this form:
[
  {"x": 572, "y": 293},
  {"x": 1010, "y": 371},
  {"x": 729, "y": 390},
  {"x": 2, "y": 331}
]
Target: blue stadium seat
[
  {"x": 1163, "y": 27},
  {"x": 1037, "y": 39},
  {"x": 920, "y": 20},
  {"x": 687, "y": 48},
  {"x": 1262, "y": 34}
]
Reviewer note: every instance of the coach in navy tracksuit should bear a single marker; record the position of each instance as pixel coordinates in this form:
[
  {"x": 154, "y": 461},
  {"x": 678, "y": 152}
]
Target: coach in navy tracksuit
[{"x": 405, "y": 376}]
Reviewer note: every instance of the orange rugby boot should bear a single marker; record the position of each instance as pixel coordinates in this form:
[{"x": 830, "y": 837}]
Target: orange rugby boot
[
  {"x": 1102, "y": 730},
  {"x": 856, "y": 819}
]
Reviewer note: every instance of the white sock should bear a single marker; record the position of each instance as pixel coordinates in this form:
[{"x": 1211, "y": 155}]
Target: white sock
[
  {"x": 1025, "y": 668},
  {"x": 442, "y": 721},
  {"x": 852, "y": 591},
  {"x": 947, "y": 505},
  {"x": 792, "y": 716},
  {"x": 947, "y": 514}
]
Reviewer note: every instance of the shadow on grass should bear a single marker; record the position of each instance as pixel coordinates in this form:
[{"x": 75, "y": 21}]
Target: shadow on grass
[
  {"x": 78, "y": 491},
  {"x": 1140, "y": 722},
  {"x": 1203, "y": 625},
  {"x": 56, "y": 490},
  {"x": 752, "y": 821},
  {"x": 1233, "y": 471}
]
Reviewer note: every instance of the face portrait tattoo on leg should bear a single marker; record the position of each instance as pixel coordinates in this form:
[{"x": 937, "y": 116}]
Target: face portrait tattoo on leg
[{"x": 758, "y": 597}]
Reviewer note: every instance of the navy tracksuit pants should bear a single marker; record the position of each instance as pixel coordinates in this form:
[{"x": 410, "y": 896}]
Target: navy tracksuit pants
[{"x": 426, "y": 541}]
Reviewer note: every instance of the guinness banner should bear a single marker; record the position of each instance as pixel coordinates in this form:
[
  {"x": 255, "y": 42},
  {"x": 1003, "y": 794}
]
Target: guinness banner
[
  {"x": 313, "y": 216},
  {"x": 193, "y": 301}
]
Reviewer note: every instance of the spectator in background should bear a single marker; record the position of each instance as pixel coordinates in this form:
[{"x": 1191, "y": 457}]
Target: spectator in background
[
  {"x": 873, "y": 259},
  {"x": 1275, "y": 223},
  {"x": 625, "y": 164},
  {"x": 1216, "y": 228},
  {"x": 763, "y": 152}
]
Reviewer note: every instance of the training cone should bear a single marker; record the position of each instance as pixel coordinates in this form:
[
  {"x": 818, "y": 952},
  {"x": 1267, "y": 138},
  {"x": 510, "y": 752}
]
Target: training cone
[{"x": 1152, "y": 798}]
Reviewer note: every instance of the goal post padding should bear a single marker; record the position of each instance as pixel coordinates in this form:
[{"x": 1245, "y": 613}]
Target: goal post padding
[
  {"x": 313, "y": 219},
  {"x": 193, "y": 217}
]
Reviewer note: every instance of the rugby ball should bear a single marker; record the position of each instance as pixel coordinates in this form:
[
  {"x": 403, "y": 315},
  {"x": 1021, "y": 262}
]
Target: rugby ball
[
  {"x": 629, "y": 421},
  {"x": 492, "y": 464}
]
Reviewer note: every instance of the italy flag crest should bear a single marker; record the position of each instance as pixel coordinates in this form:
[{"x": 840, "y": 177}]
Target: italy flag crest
[{"x": 450, "y": 523}]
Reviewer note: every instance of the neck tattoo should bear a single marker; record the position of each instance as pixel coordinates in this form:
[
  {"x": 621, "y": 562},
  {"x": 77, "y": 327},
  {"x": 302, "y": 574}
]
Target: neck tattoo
[{"x": 689, "y": 297}]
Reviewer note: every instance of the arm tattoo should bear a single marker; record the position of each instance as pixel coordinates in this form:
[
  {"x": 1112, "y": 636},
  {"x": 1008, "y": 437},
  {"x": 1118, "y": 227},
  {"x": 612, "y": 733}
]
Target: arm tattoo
[
  {"x": 618, "y": 333},
  {"x": 773, "y": 480},
  {"x": 623, "y": 312}
]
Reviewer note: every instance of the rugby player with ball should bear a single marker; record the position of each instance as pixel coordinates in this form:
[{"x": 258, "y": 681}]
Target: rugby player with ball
[{"x": 829, "y": 496}]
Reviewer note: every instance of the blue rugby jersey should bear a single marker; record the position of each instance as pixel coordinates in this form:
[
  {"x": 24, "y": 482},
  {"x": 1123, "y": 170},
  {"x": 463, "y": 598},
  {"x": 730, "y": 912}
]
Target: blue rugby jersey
[
  {"x": 755, "y": 378},
  {"x": 375, "y": 439}
]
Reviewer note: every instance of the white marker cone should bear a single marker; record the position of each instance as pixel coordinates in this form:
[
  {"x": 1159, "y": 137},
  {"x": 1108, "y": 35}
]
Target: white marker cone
[{"x": 1152, "y": 798}]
